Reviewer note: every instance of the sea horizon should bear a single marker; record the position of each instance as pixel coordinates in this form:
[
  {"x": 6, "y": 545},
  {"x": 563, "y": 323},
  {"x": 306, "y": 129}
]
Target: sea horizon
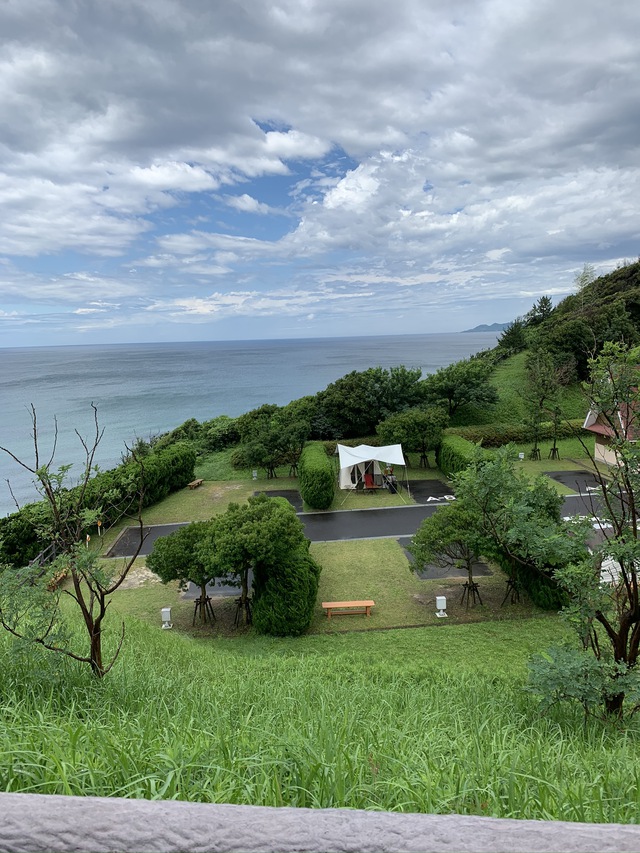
[
  {"x": 145, "y": 389},
  {"x": 244, "y": 340}
]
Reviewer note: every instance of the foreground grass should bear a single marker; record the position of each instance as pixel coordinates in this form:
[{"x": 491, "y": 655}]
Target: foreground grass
[{"x": 430, "y": 720}]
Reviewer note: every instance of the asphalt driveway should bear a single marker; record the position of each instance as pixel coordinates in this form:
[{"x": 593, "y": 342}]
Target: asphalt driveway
[{"x": 379, "y": 523}]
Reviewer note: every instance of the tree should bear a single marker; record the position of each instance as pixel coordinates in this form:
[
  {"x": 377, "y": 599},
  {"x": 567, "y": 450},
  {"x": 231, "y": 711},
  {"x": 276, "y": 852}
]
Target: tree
[
  {"x": 253, "y": 537},
  {"x": 513, "y": 338},
  {"x": 540, "y": 311},
  {"x": 541, "y": 392},
  {"x": 586, "y": 276},
  {"x": 517, "y": 522},
  {"x": 355, "y": 403},
  {"x": 449, "y": 537},
  {"x": 28, "y": 608},
  {"x": 179, "y": 557},
  {"x": 605, "y": 611},
  {"x": 417, "y": 430},
  {"x": 460, "y": 384},
  {"x": 273, "y": 441},
  {"x": 544, "y": 381}
]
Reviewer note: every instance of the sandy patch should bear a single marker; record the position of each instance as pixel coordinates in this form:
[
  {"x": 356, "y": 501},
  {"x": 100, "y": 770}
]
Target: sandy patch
[
  {"x": 139, "y": 576},
  {"x": 220, "y": 492}
]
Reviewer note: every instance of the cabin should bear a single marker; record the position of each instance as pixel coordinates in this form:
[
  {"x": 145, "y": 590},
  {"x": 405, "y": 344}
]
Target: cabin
[{"x": 608, "y": 429}]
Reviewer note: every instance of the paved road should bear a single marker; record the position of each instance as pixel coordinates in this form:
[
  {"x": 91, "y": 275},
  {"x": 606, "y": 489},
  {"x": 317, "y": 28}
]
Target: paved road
[{"x": 388, "y": 522}]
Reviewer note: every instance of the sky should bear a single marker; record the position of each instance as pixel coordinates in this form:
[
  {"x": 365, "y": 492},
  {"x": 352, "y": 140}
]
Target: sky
[{"x": 177, "y": 170}]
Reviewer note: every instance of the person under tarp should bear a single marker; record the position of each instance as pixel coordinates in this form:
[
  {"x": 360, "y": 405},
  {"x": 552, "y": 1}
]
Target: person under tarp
[{"x": 364, "y": 466}]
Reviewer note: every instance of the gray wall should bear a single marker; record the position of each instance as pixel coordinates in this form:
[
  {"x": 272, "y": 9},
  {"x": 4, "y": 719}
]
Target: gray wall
[{"x": 35, "y": 822}]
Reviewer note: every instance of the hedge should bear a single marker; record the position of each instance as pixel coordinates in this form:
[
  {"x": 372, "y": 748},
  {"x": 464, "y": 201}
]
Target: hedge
[
  {"x": 455, "y": 454},
  {"x": 316, "y": 477},
  {"x": 497, "y": 435},
  {"x": 113, "y": 491}
]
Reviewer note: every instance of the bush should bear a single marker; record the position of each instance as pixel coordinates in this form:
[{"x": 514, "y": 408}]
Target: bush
[
  {"x": 220, "y": 433},
  {"x": 284, "y": 606},
  {"x": 541, "y": 588},
  {"x": 455, "y": 454},
  {"x": 331, "y": 445},
  {"x": 317, "y": 478},
  {"x": 497, "y": 435}
]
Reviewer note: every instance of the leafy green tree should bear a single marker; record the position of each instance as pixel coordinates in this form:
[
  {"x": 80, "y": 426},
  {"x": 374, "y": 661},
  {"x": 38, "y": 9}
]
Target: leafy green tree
[
  {"x": 354, "y": 404},
  {"x": 449, "y": 537},
  {"x": 29, "y": 607},
  {"x": 570, "y": 340},
  {"x": 518, "y": 523},
  {"x": 604, "y": 606},
  {"x": 252, "y": 423},
  {"x": 255, "y": 536},
  {"x": 417, "y": 430},
  {"x": 460, "y": 384},
  {"x": 541, "y": 392},
  {"x": 274, "y": 439},
  {"x": 220, "y": 433},
  {"x": 179, "y": 557}
]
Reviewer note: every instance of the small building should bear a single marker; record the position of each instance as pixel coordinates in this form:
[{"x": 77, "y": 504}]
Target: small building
[{"x": 608, "y": 430}]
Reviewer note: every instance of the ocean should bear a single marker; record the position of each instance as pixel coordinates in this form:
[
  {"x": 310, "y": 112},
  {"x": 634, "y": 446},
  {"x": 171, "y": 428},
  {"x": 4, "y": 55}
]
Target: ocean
[{"x": 142, "y": 390}]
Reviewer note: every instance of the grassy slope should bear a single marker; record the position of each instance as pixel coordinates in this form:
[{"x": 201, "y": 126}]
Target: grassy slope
[
  {"x": 430, "y": 720},
  {"x": 509, "y": 379}
]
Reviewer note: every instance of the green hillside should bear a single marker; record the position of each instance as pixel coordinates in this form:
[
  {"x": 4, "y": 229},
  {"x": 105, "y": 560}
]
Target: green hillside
[{"x": 430, "y": 720}]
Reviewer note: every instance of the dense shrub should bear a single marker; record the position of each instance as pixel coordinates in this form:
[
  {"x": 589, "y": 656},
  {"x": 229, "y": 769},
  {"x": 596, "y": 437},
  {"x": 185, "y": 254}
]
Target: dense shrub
[
  {"x": 285, "y": 600},
  {"x": 331, "y": 445},
  {"x": 220, "y": 433},
  {"x": 497, "y": 435},
  {"x": 19, "y": 542},
  {"x": 317, "y": 478},
  {"x": 541, "y": 587},
  {"x": 455, "y": 454}
]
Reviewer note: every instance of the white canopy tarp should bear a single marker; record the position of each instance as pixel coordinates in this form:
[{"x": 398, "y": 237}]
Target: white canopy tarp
[{"x": 355, "y": 462}]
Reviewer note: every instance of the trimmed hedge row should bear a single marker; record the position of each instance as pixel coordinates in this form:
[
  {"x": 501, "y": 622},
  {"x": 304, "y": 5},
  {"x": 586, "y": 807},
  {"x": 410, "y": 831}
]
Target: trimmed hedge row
[
  {"x": 455, "y": 454},
  {"x": 497, "y": 435},
  {"x": 317, "y": 479},
  {"x": 113, "y": 491}
]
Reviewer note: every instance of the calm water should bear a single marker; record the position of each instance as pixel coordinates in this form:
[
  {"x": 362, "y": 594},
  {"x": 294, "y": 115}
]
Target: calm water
[{"x": 145, "y": 389}]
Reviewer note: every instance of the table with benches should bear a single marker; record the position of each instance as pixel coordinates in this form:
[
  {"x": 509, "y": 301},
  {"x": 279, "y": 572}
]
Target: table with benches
[{"x": 346, "y": 608}]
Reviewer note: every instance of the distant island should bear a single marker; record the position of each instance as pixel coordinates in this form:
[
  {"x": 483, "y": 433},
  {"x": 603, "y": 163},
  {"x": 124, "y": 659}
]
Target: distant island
[{"x": 494, "y": 327}]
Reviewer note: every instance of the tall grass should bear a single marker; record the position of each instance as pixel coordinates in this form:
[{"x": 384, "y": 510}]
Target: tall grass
[{"x": 315, "y": 724}]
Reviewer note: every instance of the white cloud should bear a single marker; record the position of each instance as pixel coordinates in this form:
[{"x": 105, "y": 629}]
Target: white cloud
[
  {"x": 451, "y": 151},
  {"x": 247, "y": 204}
]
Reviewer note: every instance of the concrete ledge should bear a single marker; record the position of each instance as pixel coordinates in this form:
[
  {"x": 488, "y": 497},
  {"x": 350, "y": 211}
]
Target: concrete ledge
[{"x": 35, "y": 823}]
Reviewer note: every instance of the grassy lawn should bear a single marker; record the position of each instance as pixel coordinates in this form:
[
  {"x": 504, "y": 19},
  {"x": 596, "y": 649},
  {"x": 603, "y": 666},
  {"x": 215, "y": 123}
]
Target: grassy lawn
[
  {"x": 572, "y": 458},
  {"x": 361, "y": 569}
]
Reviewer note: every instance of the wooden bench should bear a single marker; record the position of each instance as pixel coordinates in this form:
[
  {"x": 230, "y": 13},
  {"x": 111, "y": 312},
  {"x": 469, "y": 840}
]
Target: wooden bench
[
  {"x": 346, "y": 608},
  {"x": 195, "y": 483}
]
